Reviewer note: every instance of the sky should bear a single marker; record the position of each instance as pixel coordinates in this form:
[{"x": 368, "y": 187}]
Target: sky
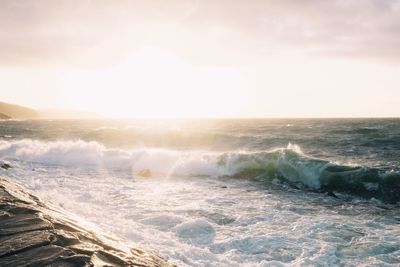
[{"x": 203, "y": 58}]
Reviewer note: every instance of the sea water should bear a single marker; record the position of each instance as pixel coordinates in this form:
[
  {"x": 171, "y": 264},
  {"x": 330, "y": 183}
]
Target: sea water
[{"x": 277, "y": 192}]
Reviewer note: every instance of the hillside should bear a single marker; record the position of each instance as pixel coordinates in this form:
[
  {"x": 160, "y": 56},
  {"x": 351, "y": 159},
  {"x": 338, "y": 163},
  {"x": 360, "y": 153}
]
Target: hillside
[
  {"x": 66, "y": 114},
  {"x": 18, "y": 112},
  {"x": 4, "y": 116},
  {"x": 12, "y": 111}
]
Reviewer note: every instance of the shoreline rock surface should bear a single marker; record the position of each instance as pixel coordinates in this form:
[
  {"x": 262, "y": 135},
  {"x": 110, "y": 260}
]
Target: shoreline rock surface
[{"x": 35, "y": 234}]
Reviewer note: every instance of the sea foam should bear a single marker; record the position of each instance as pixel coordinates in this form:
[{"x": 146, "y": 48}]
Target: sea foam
[{"x": 286, "y": 164}]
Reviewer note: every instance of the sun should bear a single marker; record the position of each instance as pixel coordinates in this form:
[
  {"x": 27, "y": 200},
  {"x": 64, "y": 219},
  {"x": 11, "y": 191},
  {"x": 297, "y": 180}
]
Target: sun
[{"x": 156, "y": 83}]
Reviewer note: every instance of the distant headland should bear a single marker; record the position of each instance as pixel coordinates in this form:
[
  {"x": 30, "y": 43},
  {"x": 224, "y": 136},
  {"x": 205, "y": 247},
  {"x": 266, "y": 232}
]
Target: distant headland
[{"x": 12, "y": 111}]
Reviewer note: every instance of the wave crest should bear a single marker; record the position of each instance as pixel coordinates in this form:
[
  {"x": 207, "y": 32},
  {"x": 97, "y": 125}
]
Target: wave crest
[{"x": 286, "y": 164}]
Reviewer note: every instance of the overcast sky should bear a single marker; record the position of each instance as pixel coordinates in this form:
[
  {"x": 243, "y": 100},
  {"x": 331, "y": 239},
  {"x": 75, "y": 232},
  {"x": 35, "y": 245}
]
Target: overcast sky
[{"x": 296, "y": 58}]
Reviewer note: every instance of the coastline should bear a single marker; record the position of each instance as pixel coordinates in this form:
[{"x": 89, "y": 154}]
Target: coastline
[{"x": 35, "y": 234}]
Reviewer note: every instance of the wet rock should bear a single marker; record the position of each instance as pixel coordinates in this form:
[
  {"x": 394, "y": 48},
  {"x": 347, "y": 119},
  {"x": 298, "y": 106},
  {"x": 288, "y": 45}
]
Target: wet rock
[
  {"x": 331, "y": 194},
  {"x": 5, "y": 165},
  {"x": 34, "y": 234}
]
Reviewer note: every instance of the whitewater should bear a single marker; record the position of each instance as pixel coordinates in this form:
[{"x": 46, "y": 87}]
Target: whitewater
[{"x": 286, "y": 192}]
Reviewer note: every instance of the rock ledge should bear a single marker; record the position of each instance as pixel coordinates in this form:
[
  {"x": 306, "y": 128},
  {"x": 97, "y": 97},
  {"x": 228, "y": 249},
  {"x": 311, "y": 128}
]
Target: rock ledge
[{"x": 35, "y": 234}]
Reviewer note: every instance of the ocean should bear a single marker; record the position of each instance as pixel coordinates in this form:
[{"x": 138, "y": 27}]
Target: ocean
[{"x": 232, "y": 192}]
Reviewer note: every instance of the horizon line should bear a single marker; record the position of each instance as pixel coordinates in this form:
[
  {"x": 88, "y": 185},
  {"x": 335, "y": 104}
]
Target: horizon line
[{"x": 207, "y": 118}]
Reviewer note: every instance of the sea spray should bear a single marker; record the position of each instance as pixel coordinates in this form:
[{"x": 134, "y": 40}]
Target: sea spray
[{"x": 286, "y": 164}]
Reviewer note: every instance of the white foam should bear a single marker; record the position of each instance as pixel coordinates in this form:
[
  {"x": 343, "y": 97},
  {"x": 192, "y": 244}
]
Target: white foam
[
  {"x": 180, "y": 218},
  {"x": 80, "y": 153},
  {"x": 163, "y": 162}
]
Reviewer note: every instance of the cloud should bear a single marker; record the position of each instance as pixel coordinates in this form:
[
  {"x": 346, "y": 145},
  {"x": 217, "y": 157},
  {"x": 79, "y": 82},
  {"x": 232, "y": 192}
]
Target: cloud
[{"x": 88, "y": 32}]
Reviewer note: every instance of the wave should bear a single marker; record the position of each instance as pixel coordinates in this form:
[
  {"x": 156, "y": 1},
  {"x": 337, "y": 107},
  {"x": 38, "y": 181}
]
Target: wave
[{"x": 288, "y": 165}]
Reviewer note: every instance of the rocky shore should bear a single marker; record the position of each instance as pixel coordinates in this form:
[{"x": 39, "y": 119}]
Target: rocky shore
[{"x": 35, "y": 234}]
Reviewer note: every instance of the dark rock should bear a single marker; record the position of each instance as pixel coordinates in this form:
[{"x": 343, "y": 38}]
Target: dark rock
[
  {"x": 331, "y": 194},
  {"x": 5, "y": 165},
  {"x": 34, "y": 234}
]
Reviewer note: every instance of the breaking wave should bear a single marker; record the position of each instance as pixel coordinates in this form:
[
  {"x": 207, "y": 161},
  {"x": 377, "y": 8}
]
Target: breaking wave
[{"x": 288, "y": 165}]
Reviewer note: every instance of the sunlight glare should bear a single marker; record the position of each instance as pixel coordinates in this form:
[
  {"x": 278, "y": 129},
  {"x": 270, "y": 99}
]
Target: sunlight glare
[{"x": 155, "y": 83}]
